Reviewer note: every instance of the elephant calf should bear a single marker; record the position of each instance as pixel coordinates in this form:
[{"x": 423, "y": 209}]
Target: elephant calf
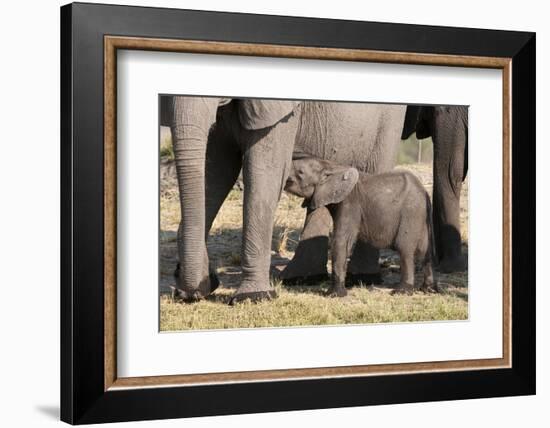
[{"x": 389, "y": 210}]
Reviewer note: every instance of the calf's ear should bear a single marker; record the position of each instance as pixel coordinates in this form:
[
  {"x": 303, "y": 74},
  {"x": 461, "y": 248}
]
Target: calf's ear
[{"x": 335, "y": 185}]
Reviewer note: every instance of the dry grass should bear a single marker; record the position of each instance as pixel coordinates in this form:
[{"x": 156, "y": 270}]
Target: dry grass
[
  {"x": 296, "y": 306},
  {"x": 306, "y": 306}
]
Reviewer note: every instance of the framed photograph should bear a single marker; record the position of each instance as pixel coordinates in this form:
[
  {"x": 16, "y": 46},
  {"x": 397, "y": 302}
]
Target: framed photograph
[{"x": 267, "y": 213}]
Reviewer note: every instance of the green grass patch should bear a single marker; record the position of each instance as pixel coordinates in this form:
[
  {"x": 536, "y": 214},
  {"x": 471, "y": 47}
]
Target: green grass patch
[
  {"x": 167, "y": 152},
  {"x": 412, "y": 150}
]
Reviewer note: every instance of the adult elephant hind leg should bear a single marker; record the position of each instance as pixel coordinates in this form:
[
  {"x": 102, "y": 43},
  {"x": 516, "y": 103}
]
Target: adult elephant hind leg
[
  {"x": 364, "y": 266},
  {"x": 309, "y": 264},
  {"x": 450, "y": 136},
  {"x": 446, "y": 222},
  {"x": 266, "y": 165},
  {"x": 223, "y": 164}
]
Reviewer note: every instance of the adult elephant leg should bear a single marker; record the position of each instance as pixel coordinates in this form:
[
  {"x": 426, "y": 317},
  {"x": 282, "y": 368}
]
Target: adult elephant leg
[
  {"x": 450, "y": 140},
  {"x": 309, "y": 264},
  {"x": 364, "y": 266},
  {"x": 192, "y": 118},
  {"x": 266, "y": 165},
  {"x": 222, "y": 166}
]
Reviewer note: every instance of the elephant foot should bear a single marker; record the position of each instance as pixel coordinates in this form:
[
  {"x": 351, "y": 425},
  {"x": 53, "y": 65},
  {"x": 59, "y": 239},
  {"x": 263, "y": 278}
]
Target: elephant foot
[
  {"x": 452, "y": 264},
  {"x": 253, "y": 296},
  {"x": 305, "y": 280},
  {"x": 214, "y": 281},
  {"x": 179, "y": 295},
  {"x": 212, "y": 276},
  {"x": 431, "y": 288},
  {"x": 336, "y": 292},
  {"x": 403, "y": 289},
  {"x": 364, "y": 278}
]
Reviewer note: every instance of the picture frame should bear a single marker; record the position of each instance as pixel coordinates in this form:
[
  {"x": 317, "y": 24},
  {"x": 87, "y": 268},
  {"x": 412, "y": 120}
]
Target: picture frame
[{"x": 91, "y": 392}]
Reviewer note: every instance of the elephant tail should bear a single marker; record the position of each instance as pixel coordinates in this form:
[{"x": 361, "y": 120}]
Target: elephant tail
[{"x": 431, "y": 239}]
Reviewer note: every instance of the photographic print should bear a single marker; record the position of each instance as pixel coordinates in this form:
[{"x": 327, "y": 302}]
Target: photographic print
[
  {"x": 294, "y": 183},
  {"x": 281, "y": 213}
]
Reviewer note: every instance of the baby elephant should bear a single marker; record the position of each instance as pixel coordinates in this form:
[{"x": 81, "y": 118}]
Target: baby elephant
[{"x": 389, "y": 210}]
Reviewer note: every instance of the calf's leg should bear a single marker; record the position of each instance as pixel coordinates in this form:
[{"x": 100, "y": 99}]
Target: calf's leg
[
  {"x": 339, "y": 264},
  {"x": 309, "y": 264},
  {"x": 429, "y": 285},
  {"x": 406, "y": 285},
  {"x": 342, "y": 246}
]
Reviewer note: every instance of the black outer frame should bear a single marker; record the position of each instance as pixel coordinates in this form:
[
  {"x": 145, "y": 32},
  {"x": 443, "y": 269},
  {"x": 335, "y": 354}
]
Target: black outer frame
[{"x": 83, "y": 399}]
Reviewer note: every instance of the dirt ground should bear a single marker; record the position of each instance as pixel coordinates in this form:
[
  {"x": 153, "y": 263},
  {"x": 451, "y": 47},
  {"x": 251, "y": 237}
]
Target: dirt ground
[{"x": 295, "y": 305}]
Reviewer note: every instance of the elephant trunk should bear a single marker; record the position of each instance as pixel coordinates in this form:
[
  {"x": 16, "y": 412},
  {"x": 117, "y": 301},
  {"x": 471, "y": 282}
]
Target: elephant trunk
[{"x": 192, "y": 118}]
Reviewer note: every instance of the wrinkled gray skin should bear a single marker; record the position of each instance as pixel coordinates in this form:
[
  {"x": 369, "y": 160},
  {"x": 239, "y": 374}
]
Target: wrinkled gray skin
[
  {"x": 389, "y": 210},
  {"x": 214, "y": 137},
  {"x": 448, "y": 127}
]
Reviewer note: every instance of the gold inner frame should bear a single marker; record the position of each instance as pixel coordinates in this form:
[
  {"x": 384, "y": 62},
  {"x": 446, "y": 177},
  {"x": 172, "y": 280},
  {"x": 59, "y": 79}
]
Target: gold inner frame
[{"x": 112, "y": 43}]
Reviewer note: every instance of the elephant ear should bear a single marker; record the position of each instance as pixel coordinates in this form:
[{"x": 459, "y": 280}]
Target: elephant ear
[
  {"x": 335, "y": 185},
  {"x": 417, "y": 119},
  {"x": 259, "y": 114}
]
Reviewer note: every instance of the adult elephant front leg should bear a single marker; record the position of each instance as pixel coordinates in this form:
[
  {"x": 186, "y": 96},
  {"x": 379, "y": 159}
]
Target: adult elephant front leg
[
  {"x": 266, "y": 165},
  {"x": 191, "y": 121},
  {"x": 222, "y": 166}
]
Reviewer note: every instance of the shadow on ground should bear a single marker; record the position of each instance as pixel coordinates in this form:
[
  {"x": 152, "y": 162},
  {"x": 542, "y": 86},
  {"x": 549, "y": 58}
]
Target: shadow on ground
[
  {"x": 224, "y": 250},
  {"x": 50, "y": 411}
]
